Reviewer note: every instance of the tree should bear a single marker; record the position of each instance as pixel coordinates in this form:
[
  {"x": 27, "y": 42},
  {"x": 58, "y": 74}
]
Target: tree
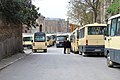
[
  {"x": 19, "y": 11},
  {"x": 85, "y": 8},
  {"x": 114, "y": 8},
  {"x": 77, "y": 12}
]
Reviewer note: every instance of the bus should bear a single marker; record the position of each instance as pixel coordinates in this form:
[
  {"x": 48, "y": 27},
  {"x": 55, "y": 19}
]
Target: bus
[
  {"x": 91, "y": 39},
  {"x": 27, "y": 38},
  {"x": 74, "y": 38},
  {"x": 39, "y": 42},
  {"x": 60, "y": 38},
  {"x": 112, "y": 41},
  {"x": 51, "y": 39}
]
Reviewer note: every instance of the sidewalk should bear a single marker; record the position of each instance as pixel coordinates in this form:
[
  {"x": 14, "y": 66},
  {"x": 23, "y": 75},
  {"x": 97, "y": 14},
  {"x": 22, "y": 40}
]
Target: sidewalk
[{"x": 8, "y": 61}]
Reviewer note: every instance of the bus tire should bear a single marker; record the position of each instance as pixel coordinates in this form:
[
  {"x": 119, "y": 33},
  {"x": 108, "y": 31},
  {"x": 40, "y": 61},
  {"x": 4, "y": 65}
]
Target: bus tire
[
  {"x": 80, "y": 53},
  {"x": 109, "y": 62},
  {"x": 77, "y": 52},
  {"x": 34, "y": 51},
  {"x": 83, "y": 54},
  {"x": 45, "y": 50}
]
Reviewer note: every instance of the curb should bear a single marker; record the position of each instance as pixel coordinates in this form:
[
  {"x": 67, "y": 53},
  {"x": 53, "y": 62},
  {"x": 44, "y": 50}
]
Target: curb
[{"x": 10, "y": 63}]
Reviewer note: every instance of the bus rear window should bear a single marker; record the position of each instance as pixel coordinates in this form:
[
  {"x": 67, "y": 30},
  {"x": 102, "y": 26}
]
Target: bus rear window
[
  {"x": 27, "y": 39},
  {"x": 96, "y": 30}
]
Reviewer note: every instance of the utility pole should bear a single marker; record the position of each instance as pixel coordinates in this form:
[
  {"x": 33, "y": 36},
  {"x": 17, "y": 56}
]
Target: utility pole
[{"x": 67, "y": 24}]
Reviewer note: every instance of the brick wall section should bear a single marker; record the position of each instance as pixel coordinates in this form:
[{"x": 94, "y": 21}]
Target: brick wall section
[{"x": 10, "y": 39}]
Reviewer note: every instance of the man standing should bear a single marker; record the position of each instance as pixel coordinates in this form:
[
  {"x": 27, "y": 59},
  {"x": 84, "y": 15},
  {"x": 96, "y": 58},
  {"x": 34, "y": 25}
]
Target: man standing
[
  {"x": 68, "y": 46},
  {"x": 65, "y": 44}
]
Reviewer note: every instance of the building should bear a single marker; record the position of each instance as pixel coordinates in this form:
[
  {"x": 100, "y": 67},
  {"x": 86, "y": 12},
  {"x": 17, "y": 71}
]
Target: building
[
  {"x": 48, "y": 25},
  {"x": 40, "y": 23},
  {"x": 55, "y": 25},
  {"x": 72, "y": 27}
]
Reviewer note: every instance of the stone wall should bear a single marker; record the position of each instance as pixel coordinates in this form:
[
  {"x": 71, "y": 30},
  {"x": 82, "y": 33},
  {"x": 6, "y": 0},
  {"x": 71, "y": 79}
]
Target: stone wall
[{"x": 10, "y": 38}]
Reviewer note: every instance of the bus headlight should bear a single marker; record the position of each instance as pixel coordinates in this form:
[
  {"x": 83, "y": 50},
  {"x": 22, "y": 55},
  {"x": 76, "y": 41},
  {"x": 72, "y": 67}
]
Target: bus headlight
[
  {"x": 57, "y": 42},
  {"x": 33, "y": 44},
  {"x": 46, "y": 44}
]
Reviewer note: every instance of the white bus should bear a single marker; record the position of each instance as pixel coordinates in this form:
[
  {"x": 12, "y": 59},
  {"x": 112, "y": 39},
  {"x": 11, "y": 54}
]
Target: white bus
[
  {"x": 27, "y": 38},
  {"x": 112, "y": 41}
]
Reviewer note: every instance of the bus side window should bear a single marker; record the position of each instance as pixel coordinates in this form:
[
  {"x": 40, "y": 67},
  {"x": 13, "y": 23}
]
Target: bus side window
[
  {"x": 113, "y": 27},
  {"x": 118, "y": 27}
]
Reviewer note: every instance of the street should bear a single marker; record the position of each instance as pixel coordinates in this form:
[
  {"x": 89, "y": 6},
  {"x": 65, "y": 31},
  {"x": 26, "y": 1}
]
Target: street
[{"x": 54, "y": 65}]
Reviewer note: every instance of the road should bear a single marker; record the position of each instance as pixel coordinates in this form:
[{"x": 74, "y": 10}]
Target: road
[{"x": 54, "y": 65}]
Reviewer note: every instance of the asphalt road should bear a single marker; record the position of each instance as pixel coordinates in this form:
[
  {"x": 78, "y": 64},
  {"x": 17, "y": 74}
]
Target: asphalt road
[{"x": 54, "y": 65}]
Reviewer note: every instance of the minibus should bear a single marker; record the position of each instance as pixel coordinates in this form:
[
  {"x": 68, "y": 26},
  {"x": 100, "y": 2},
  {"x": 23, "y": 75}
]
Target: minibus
[
  {"x": 112, "y": 41},
  {"x": 48, "y": 40},
  {"x": 51, "y": 38},
  {"x": 27, "y": 38},
  {"x": 91, "y": 39},
  {"x": 39, "y": 42},
  {"x": 74, "y": 41}
]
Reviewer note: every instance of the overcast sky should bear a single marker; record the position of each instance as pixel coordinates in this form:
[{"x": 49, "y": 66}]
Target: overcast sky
[{"x": 52, "y": 8}]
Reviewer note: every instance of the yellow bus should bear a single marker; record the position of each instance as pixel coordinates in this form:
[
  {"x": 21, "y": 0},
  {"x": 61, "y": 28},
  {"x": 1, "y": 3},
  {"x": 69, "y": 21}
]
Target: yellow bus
[
  {"x": 48, "y": 41},
  {"x": 39, "y": 42},
  {"x": 51, "y": 39},
  {"x": 74, "y": 41},
  {"x": 91, "y": 39},
  {"x": 27, "y": 38},
  {"x": 112, "y": 41}
]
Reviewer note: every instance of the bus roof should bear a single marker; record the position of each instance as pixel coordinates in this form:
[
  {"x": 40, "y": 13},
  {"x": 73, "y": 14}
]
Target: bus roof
[
  {"x": 75, "y": 30},
  {"x": 27, "y": 34},
  {"x": 96, "y": 24},
  {"x": 39, "y": 33},
  {"x": 118, "y": 15}
]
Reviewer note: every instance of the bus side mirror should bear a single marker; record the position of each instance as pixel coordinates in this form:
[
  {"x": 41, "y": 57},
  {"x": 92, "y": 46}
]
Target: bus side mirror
[
  {"x": 31, "y": 40},
  {"x": 105, "y": 38}
]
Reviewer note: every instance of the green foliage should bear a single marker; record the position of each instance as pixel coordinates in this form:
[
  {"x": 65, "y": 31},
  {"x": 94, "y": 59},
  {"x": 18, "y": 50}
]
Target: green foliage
[
  {"x": 115, "y": 7},
  {"x": 19, "y": 11}
]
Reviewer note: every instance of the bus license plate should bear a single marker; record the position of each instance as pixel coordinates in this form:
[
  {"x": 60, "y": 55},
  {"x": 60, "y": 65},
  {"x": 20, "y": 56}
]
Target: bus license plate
[{"x": 97, "y": 49}]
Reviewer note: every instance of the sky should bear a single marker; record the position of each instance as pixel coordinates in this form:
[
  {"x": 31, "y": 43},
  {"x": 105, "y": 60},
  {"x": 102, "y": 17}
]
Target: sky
[{"x": 52, "y": 8}]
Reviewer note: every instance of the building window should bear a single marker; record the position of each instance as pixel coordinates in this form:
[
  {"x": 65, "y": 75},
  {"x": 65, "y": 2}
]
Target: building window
[{"x": 40, "y": 28}]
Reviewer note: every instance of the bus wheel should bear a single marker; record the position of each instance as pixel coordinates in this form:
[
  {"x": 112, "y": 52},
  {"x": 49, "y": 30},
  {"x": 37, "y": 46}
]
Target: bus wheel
[
  {"x": 80, "y": 53},
  {"x": 34, "y": 50},
  {"x": 109, "y": 62},
  {"x": 76, "y": 52},
  {"x": 83, "y": 54},
  {"x": 45, "y": 50}
]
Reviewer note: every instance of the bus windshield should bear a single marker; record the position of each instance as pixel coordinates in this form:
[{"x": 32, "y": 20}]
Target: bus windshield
[
  {"x": 61, "y": 38},
  {"x": 39, "y": 38},
  {"x": 27, "y": 39},
  {"x": 96, "y": 30}
]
